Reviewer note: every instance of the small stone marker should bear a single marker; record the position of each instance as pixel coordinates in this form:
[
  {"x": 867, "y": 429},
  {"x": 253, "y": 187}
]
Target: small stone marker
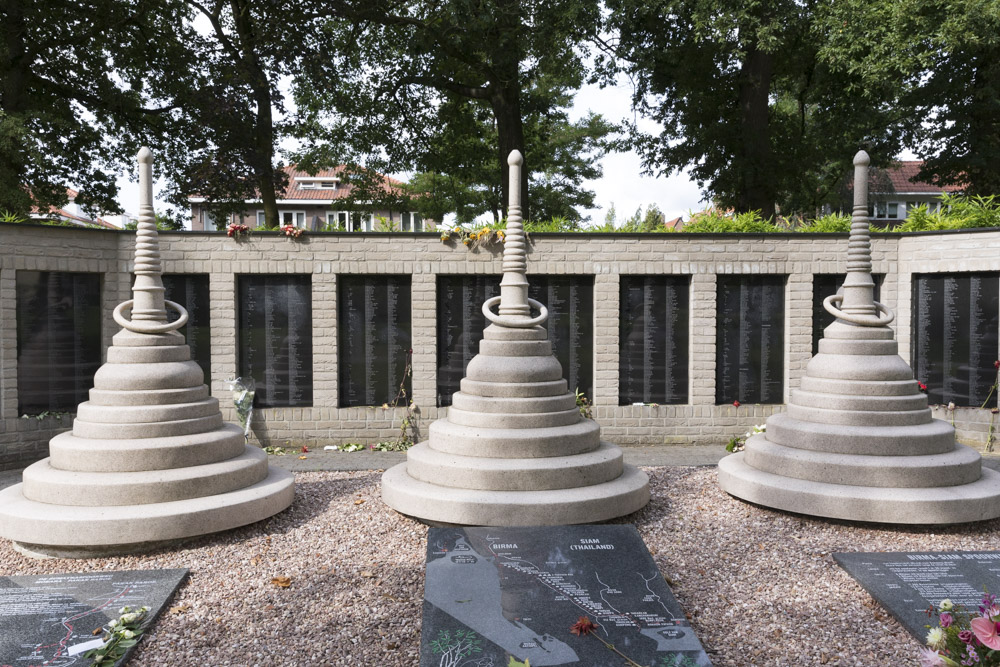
[
  {"x": 906, "y": 584},
  {"x": 50, "y": 619},
  {"x": 508, "y": 596}
]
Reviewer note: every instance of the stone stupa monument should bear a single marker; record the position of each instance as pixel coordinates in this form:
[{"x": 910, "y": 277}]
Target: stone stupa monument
[
  {"x": 857, "y": 441},
  {"x": 514, "y": 449},
  {"x": 149, "y": 459}
]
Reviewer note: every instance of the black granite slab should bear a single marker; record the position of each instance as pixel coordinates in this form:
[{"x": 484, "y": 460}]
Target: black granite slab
[
  {"x": 498, "y": 597},
  {"x": 50, "y": 619},
  {"x": 906, "y": 584}
]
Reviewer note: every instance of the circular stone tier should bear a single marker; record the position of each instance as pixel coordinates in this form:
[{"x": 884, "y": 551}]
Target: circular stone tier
[
  {"x": 858, "y": 443},
  {"x": 514, "y": 450},
  {"x": 149, "y": 461}
]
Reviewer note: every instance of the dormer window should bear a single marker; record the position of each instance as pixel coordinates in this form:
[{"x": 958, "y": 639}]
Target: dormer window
[{"x": 316, "y": 182}]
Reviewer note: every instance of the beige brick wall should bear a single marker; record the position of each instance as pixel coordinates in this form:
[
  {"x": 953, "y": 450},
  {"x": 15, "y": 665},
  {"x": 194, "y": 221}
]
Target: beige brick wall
[{"x": 423, "y": 257}]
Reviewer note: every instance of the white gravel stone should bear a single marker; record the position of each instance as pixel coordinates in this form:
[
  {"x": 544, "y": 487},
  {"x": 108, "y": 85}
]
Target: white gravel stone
[{"x": 760, "y": 585}]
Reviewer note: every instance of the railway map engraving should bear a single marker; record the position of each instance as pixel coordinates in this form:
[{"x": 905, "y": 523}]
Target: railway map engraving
[
  {"x": 50, "y": 619},
  {"x": 496, "y": 597}
]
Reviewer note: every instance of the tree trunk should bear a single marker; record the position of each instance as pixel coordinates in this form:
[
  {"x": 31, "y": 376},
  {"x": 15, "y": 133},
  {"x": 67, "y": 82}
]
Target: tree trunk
[
  {"x": 263, "y": 129},
  {"x": 757, "y": 191},
  {"x": 510, "y": 133},
  {"x": 981, "y": 175},
  {"x": 13, "y": 197}
]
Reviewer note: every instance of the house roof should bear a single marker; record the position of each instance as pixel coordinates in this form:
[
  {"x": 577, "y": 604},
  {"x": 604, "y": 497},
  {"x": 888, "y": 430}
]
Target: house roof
[
  {"x": 296, "y": 177},
  {"x": 903, "y": 178},
  {"x": 63, "y": 214}
]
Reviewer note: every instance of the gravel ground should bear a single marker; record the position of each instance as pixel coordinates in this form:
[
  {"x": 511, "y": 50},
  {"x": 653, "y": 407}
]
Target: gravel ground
[{"x": 760, "y": 586}]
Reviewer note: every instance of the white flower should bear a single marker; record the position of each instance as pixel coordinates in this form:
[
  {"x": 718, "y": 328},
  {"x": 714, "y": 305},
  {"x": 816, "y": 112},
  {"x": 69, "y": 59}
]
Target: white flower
[
  {"x": 124, "y": 610},
  {"x": 128, "y": 634},
  {"x": 113, "y": 624},
  {"x": 936, "y": 638},
  {"x": 946, "y": 605}
]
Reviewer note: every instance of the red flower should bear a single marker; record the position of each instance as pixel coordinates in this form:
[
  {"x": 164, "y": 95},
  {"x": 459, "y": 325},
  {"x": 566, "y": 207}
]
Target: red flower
[
  {"x": 996, "y": 364},
  {"x": 583, "y": 626},
  {"x": 922, "y": 386},
  {"x": 736, "y": 404},
  {"x": 304, "y": 450}
]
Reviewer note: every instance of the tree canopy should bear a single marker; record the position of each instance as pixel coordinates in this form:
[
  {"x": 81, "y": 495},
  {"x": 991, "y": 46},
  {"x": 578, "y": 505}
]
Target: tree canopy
[{"x": 765, "y": 102}]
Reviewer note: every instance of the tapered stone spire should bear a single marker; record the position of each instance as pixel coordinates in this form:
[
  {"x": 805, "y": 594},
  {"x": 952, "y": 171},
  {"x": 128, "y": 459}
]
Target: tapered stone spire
[
  {"x": 514, "y": 450},
  {"x": 149, "y": 459},
  {"x": 857, "y": 441}
]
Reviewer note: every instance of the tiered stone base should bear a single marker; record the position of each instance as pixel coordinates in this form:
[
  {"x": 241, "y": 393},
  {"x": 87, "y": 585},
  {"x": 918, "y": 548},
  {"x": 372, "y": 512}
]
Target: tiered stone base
[
  {"x": 858, "y": 443},
  {"x": 514, "y": 450},
  {"x": 149, "y": 460}
]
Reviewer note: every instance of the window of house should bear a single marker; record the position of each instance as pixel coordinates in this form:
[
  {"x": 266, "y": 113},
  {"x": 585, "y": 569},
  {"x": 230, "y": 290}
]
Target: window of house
[
  {"x": 893, "y": 210},
  {"x": 411, "y": 222},
  {"x": 328, "y": 185},
  {"x": 260, "y": 218},
  {"x": 360, "y": 222},
  {"x": 307, "y": 185},
  {"x": 337, "y": 219},
  {"x": 880, "y": 209},
  {"x": 296, "y": 218}
]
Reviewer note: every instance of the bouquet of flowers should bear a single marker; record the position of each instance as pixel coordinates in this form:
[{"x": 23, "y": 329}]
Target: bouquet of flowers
[
  {"x": 237, "y": 230},
  {"x": 243, "y": 391},
  {"x": 963, "y": 638},
  {"x": 292, "y": 231}
]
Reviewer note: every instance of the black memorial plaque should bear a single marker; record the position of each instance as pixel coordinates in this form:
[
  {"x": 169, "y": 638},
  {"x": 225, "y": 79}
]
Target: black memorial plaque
[
  {"x": 373, "y": 338},
  {"x": 275, "y": 338},
  {"x": 58, "y": 339},
  {"x": 50, "y": 619},
  {"x": 955, "y": 335},
  {"x": 827, "y": 284},
  {"x": 906, "y": 584},
  {"x": 750, "y": 339},
  {"x": 653, "y": 339},
  {"x": 460, "y": 324},
  {"x": 192, "y": 292},
  {"x": 495, "y": 597}
]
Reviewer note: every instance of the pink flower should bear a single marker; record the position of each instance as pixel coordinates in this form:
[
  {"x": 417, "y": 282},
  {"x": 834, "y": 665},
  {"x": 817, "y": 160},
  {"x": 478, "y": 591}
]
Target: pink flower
[
  {"x": 930, "y": 658},
  {"x": 986, "y": 632},
  {"x": 946, "y": 620},
  {"x": 736, "y": 404},
  {"x": 965, "y": 636}
]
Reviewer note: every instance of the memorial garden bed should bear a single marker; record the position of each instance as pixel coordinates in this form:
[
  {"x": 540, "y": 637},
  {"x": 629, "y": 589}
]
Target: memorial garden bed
[{"x": 761, "y": 586}]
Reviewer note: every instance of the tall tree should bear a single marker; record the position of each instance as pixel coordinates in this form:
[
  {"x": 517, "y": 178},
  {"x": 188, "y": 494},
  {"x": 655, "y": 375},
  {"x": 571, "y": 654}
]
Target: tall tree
[
  {"x": 421, "y": 54},
  {"x": 744, "y": 99},
  {"x": 75, "y": 102},
  {"x": 458, "y": 173},
  {"x": 236, "y": 102},
  {"x": 946, "y": 55}
]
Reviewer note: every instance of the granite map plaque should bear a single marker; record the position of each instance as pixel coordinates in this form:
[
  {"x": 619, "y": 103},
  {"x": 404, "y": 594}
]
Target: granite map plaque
[
  {"x": 653, "y": 339},
  {"x": 58, "y": 339},
  {"x": 50, "y": 619},
  {"x": 955, "y": 335},
  {"x": 750, "y": 339},
  {"x": 906, "y": 584},
  {"x": 496, "y": 597}
]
